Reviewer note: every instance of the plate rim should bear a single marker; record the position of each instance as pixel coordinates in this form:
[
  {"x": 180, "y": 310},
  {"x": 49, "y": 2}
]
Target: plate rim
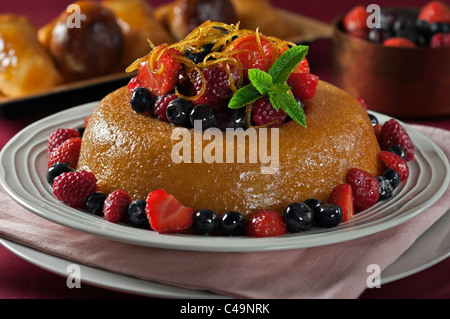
[{"x": 234, "y": 244}]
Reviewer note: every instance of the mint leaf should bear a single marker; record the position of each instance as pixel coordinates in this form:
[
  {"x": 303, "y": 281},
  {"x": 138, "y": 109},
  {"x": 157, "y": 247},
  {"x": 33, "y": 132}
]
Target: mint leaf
[
  {"x": 279, "y": 88},
  {"x": 286, "y": 63},
  {"x": 244, "y": 96},
  {"x": 260, "y": 80},
  {"x": 292, "y": 108}
]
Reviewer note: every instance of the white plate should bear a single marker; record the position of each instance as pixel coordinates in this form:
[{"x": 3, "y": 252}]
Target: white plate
[
  {"x": 22, "y": 174},
  {"x": 429, "y": 249}
]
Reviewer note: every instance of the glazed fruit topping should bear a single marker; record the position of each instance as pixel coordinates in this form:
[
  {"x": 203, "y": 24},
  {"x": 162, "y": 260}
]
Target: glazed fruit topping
[{"x": 213, "y": 64}]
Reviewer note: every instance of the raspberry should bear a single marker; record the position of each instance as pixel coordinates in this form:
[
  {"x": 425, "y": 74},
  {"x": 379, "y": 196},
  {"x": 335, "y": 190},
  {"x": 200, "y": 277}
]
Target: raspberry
[
  {"x": 395, "y": 162},
  {"x": 399, "y": 42},
  {"x": 303, "y": 85},
  {"x": 266, "y": 223},
  {"x": 68, "y": 153},
  {"x": 365, "y": 189},
  {"x": 115, "y": 206},
  {"x": 73, "y": 188},
  {"x": 161, "y": 103},
  {"x": 435, "y": 11},
  {"x": 217, "y": 85},
  {"x": 355, "y": 21},
  {"x": 59, "y": 136},
  {"x": 440, "y": 40},
  {"x": 393, "y": 134},
  {"x": 263, "y": 113}
]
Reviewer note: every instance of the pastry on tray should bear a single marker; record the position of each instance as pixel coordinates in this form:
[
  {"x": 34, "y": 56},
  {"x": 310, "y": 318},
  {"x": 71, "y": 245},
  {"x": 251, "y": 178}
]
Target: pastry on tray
[
  {"x": 25, "y": 66},
  {"x": 228, "y": 132}
]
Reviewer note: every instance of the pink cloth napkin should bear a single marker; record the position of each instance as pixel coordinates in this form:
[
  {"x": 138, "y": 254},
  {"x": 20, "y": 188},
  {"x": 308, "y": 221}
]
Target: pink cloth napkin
[{"x": 332, "y": 271}]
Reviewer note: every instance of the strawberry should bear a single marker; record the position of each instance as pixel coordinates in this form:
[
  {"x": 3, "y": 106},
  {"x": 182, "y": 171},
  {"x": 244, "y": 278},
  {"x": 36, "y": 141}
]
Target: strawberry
[
  {"x": 68, "y": 152},
  {"x": 115, "y": 206},
  {"x": 365, "y": 188},
  {"x": 73, "y": 188},
  {"x": 134, "y": 84},
  {"x": 395, "y": 162},
  {"x": 266, "y": 223},
  {"x": 440, "y": 40},
  {"x": 166, "y": 214},
  {"x": 302, "y": 67},
  {"x": 303, "y": 85},
  {"x": 342, "y": 196},
  {"x": 250, "y": 54},
  {"x": 162, "y": 76},
  {"x": 355, "y": 21},
  {"x": 393, "y": 134},
  {"x": 435, "y": 11},
  {"x": 59, "y": 136},
  {"x": 399, "y": 42}
]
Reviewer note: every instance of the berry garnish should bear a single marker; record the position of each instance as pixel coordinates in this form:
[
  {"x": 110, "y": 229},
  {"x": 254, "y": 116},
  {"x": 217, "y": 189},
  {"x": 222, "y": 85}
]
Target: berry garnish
[
  {"x": 399, "y": 151},
  {"x": 264, "y": 114},
  {"x": 365, "y": 189},
  {"x": 205, "y": 114},
  {"x": 115, "y": 206},
  {"x": 161, "y": 104},
  {"x": 328, "y": 215},
  {"x": 178, "y": 112},
  {"x": 440, "y": 40},
  {"x": 141, "y": 100},
  {"x": 205, "y": 222},
  {"x": 59, "y": 136},
  {"x": 342, "y": 196},
  {"x": 68, "y": 152},
  {"x": 386, "y": 190},
  {"x": 73, "y": 188},
  {"x": 266, "y": 223},
  {"x": 395, "y": 162},
  {"x": 166, "y": 214},
  {"x": 298, "y": 217},
  {"x": 232, "y": 224},
  {"x": 303, "y": 85},
  {"x": 313, "y": 203},
  {"x": 393, "y": 176},
  {"x": 134, "y": 84},
  {"x": 94, "y": 203},
  {"x": 55, "y": 170},
  {"x": 393, "y": 134},
  {"x": 400, "y": 42},
  {"x": 435, "y": 11},
  {"x": 373, "y": 119},
  {"x": 136, "y": 215}
]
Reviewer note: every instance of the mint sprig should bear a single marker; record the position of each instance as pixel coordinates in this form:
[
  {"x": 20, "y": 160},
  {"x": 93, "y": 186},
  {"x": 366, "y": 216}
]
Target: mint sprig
[{"x": 273, "y": 84}]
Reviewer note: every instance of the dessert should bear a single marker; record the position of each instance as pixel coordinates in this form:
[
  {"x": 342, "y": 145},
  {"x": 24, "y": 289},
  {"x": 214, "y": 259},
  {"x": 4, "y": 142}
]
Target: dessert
[
  {"x": 232, "y": 81},
  {"x": 23, "y": 60}
]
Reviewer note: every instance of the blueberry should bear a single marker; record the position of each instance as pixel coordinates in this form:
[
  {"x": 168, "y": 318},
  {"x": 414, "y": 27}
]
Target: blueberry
[
  {"x": 94, "y": 203},
  {"x": 298, "y": 217},
  {"x": 393, "y": 177},
  {"x": 56, "y": 170},
  {"x": 387, "y": 18},
  {"x": 136, "y": 215},
  {"x": 198, "y": 57},
  {"x": 399, "y": 151},
  {"x": 81, "y": 131},
  {"x": 229, "y": 118},
  {"x": 205, "y": 114},
  {"x": 439, "y": 27},
  {"x": 205, "y": 222},
  {"x": 178, "y": 111},
  {"x": 141, "y": 100},
  {"x": 313, "y": 203},
  {"x": 373, "y": 119},
  {"x": 385, "y": 188},
  {"x": 232, "y": 224},
  {"x": 328, "y": 215}
]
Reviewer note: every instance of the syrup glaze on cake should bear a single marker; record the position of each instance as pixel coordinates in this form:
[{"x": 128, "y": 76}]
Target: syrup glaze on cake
[{"x": 132, "y": 152}]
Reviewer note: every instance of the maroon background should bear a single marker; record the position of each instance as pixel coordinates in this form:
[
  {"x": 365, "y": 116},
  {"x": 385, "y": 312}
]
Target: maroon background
[{"x": 20, "y": 279}]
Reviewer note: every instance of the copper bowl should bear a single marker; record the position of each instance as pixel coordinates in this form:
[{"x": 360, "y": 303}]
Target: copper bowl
[{"x": 408, "y": 83}]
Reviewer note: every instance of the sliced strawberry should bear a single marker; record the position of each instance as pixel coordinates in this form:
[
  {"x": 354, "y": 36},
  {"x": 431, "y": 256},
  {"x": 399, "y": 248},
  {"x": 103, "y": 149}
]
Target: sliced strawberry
[
  {"x": 166, "y": 214},
  {"x": 343, "y": 197},
  {"x": 365, "y": 189},
  {"x": 68, "y": 153},
  {"x": 161, "y": 76},
  {"x": 395, "y": 162},
  {"x": 247, "y": 50},
  {"x": 303, "y": 85},
  {"x": 134, "y": 84},
  {"x": 435, "y": 11}
]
